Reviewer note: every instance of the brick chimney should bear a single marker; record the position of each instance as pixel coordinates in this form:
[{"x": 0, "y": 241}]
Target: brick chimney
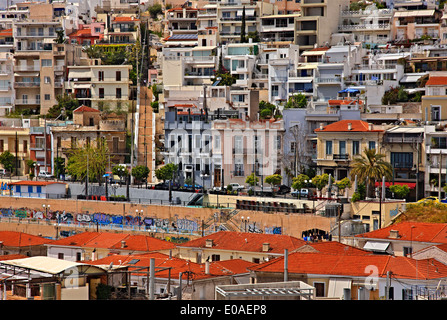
[
  {"x": 266, "y": 247},
  {"x": 209, "y": 243}
]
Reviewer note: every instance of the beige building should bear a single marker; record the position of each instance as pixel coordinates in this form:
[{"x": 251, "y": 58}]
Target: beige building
[
  {"x": 318, "y": 21},
  {"x": 102, "y": 87},
  {"x": 89, "y": 126},
  {"x": 338, "y": 143},
  {"x": 16, "y": 140}
]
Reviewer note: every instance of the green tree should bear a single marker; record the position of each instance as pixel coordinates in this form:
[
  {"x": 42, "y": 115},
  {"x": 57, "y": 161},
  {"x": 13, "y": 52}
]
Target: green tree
[
  {"x": 59, "y": 166},
  {"x": 60, "y": 36},
  {"x": 120, "y": 171},
  {"x": 252, "y": 180},
  {"x": 273, "y": 180},
  {"x": 7, "y": 159},
  {"x": 299, "y": 181},
  {"x": 373, "y": 166},
  {"x": 65, "y": 103},
  {"x": 93, "y": 157},
  {"x": 166, "y": 172},
  {"x": 322, "y": 181},
  {"x": 93, "y": 52},
  {"x": 266, "y": 109},
  {"x": 140, "y": 172},
  {"x": 155, "y": 10},
  {"x": 243, "y": 38},
  {"x": 400, "y": 191},
  {"x": 343, "y": 184},
  {"x": 296, "y": 101}
]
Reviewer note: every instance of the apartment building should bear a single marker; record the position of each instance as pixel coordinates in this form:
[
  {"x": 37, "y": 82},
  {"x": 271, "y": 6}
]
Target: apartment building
[
  {"x": 40, "y": 148},
  {"x": 246, "y": 147},
  {"x": 434, "y": 102},
  {"x": 229, "y": 18},
  {"x": 278, "y": 28},
  {"x": 405, "y": 150},
  {"x": 370, "y": 26},
  {"x": 319, "y": 20},
  {"x": 415, "y": 24},
  {"x": 6, "y": 82},
  {"x": 436, "y": 160},
  {"x": 182, "y": 20},
  {"x": 102, "y": 87},
  {"x": 39, "y": 61}
]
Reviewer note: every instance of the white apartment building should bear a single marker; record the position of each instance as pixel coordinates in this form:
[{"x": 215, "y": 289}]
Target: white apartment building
[
  {"x": 6, "y": 82},
  {"x": 278, "y": 28},
  {"x": 371, "y": 26},
  {"x": 102, "y": 87}
]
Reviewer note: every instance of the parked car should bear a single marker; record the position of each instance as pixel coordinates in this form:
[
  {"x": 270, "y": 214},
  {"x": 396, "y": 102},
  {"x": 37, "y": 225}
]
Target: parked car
[
  {"x": 236, "y": 186},
  {"x": 45, "y": 175},
  {"x": 283, "y": 189},
  {"x": 4, "y": 172},
  {"x": 430, "y": 199},
  {"x": 305, "y": 193}
]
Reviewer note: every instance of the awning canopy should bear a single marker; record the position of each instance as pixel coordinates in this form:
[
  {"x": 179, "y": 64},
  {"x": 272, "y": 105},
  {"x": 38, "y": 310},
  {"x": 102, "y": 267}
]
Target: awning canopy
[
  {"x": 349, "y": 90},
  {"x": 79, "y": 74},
  {"x": 410, "y": 185},
  {"x": 376, "y": 246}
]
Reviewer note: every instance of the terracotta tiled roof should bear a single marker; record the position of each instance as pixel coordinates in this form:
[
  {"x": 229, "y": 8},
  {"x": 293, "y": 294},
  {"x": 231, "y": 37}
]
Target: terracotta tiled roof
[
  {"x": 108, "y": 240},
  {"x": 20, "y": 239},
  {"x": 412, "y": 231},
  {"x": 35, "y": 183},
  {"x": 342, "y": 126},
  {"x": 85, "y": 109},
  {"x": 81, "y": 33},
  {"x": 355, "y": 265},
  {"x": 177, "y": 265},
  {"x": 125, "y": 19},
  {"x": 245, "y": 241},
  {"x": 332, "y": 247},
  {"x": 12, "y": 257},
  {"x": 436, "y": 81}
]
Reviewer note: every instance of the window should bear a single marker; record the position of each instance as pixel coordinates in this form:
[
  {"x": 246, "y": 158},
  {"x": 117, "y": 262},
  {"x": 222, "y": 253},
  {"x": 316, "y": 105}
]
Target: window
[
  {"x": 47, "y": 80},
  {"x": 408, "y": 251},
  {"x": 319, "y": 289},
  {"x": 355, "y": 147},
  {"x": 2, "y": 146},
  {"x": 101, "y": 93},
  {"x": 78, "y": 256},
  {"x": 47, "y": 97},
  {"x": 342, "y": 147},
  {"x": 275, "y": 91},
  {"x": 402, "y": 159},
  {"x": 46, "y": 62},
  {"x": 328, "y": 147},
  {"x": 60, "y": 256},
  {"x": 215, "y": 257},
  {"x": 30, "y": 189},
  {"x": 25, "y": 146},
  {"x": 39, "y": 189},
  {"x": 100, "y": 75},
  {"x": 118, "y": 93},
  {"x": 371, "y": 145},
  {"x": 118, "y": 76},
  {"x": 115, "y": 141},
  {"x": 435, "y": 113}
]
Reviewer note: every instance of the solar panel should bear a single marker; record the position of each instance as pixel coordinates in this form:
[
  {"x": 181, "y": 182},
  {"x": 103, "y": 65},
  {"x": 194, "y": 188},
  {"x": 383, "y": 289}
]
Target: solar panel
[{"x": 133, "y": 261}]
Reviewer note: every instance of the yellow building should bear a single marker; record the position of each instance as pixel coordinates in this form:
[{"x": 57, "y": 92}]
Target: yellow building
[
  {"x": 17, "y": 142},
  {"x": 340, "y": 142}
]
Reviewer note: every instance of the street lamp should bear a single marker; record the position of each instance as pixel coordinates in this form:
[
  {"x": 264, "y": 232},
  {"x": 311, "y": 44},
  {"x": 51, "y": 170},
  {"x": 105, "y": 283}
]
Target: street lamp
[{"x": 245, "y": 222}]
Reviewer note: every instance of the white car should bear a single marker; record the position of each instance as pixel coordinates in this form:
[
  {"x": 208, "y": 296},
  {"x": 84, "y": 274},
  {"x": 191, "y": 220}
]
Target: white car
[
  {"x": 45, "y": 175},
  {"x": 236, "y": 186}
]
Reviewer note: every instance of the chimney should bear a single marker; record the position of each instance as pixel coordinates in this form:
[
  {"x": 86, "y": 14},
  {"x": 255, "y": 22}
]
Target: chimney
[
  {"x": 209, "y": 243},
  {"x": 123, "y": 244},
  {"x": 394, "y": 234},
  {"x": 321, "y": 126},
  {"x": 207, "y": 267},
  {"x": 266, "y": 247},
  {"x": 349, "y": 126},
  {"x": 370, "y": 126}
]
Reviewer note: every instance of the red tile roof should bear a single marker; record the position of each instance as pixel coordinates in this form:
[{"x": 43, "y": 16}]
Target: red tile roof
[
  {"x": 412, "y": 231},
  {"x": 85, "y": 109},
  {"x": 245, "y": 241},
  {"x": 177, "y": 265},
  {"x": 35, "y": 183},
  {"x": 342, "y": 126},
  {"x": 108, "y": 240},
  {"x": 12, "y": 257},
  {"x": 20, "y": 239},
  {"x": 436, "y": 81},
  {"x": 332, "y": 247},
  {"x": 355, "y": 265},
  {"x": 125, "y": 19},
  {"x": 81, "y": 33}
]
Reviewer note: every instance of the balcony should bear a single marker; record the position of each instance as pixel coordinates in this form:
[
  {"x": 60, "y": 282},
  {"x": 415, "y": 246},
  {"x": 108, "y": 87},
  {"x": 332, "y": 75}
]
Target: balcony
[
  {"x": 26, "y": 84},
  {"x": 328, "y": 81},
  {"x": 340, "y": 157},
  {"x": 27, "y": 101}
]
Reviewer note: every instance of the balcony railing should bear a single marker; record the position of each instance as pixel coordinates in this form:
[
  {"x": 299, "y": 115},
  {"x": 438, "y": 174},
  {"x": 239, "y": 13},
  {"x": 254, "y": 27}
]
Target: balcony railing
[
  {"x": 26, "y": 84},
  {"x": 333, "y": 80},
  {"x": 27, "y": 101},
  {"x": 340, "y": 157}
]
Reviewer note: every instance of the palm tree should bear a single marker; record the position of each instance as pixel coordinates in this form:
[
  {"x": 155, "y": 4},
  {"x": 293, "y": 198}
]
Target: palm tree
[{"x": 371, "y": 166}]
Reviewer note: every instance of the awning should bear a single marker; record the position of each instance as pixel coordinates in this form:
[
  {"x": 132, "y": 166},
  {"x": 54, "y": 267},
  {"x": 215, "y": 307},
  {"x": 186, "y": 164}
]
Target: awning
[
  {"x": 376, "y": 246},
  {"x": 248, "y": 12},
  {"x": 336, "y": 287},
  {"x": 26, "y": 74},
  {"x": 81, "y": 85},
  {"x": 79, "y": 74},
  {"x": 410, "y": 185}
]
